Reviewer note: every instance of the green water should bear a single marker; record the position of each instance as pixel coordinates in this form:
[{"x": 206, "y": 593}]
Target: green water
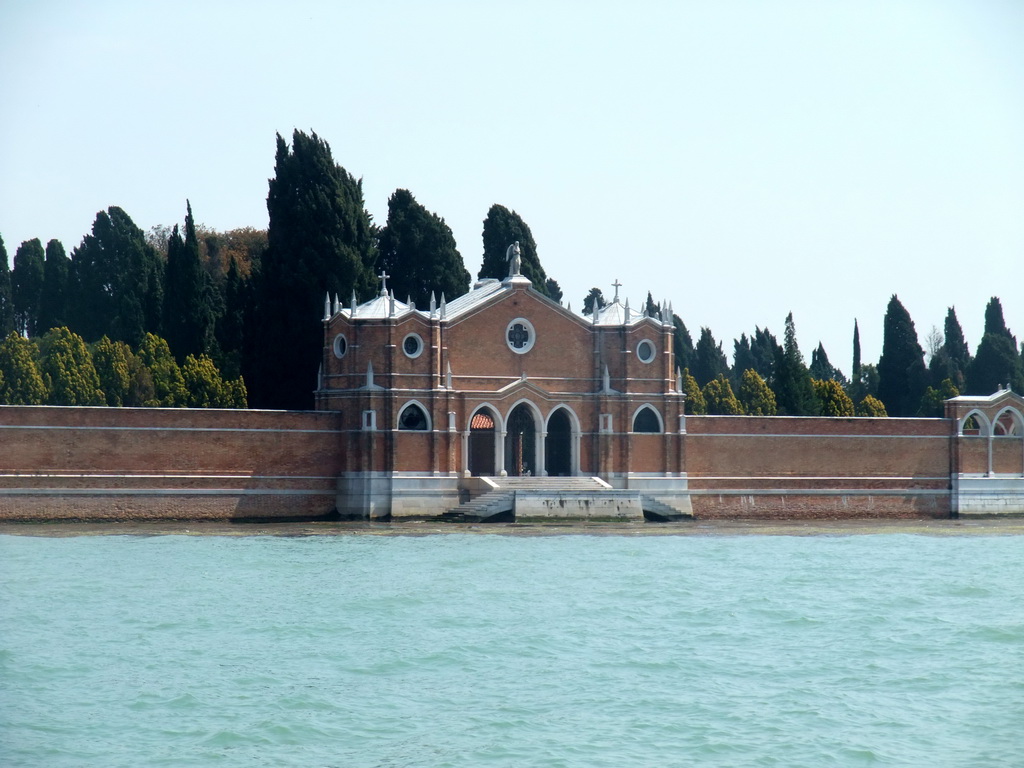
[{"x": 455, "y": 650}]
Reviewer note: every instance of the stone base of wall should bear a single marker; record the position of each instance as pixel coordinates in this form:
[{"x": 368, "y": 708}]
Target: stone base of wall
[
  {"x": 394, "y": 495},
  {"x": 984, "y": 496},
  {"x": 810, "y": 505}
]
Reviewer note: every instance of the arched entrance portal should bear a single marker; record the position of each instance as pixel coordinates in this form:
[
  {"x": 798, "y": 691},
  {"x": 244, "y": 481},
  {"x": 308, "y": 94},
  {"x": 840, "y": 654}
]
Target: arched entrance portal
[
  {"x": 558, "y": 444},
  {"x": 521, "y": 442},
  {"x": 481, "y": 443}
]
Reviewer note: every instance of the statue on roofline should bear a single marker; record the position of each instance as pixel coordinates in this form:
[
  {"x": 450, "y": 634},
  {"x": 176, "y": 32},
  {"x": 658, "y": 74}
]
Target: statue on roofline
[{"x": 514, "y": 257}]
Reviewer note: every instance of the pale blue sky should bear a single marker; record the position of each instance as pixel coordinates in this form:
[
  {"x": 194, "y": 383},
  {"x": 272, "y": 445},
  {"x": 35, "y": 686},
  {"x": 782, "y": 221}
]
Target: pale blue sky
[{"x": 742, "y": 159}]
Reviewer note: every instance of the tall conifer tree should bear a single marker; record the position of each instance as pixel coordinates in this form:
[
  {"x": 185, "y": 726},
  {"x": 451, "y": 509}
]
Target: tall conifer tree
[
  {"x": 902, "y": 377},
  {"x": 708, "y": 359},
  {"x": 27, "y": 285},
  {"x": 6, "y": 303},
  {"x": 503, "y": 227},
  {"x": 997, "y": 362},
  {"x": 794, "y": 390},
  {"x": 417, "y": 249},
  {"x": 118, "y": 281},
  {"x": 320, "y": 240},
  {"x": 53, "y": 301},
  {"x": 189, "y": 298}
]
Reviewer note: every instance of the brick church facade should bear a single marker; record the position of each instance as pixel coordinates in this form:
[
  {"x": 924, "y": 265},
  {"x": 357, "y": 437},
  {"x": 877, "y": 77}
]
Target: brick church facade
[{"x": 500, "y": 382}]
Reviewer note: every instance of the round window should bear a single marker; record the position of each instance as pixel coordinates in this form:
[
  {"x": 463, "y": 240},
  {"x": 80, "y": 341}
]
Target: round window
[
  {"x": 645, "y": 351},
  {"x": 340, "y": 346},
  {"x": 412, "y": 345},
  {"x": 520, "y": 336}
]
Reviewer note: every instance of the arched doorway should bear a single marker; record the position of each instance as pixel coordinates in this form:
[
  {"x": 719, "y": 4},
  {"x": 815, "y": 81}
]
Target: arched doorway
[
  {"x": 558, "y": 444},
  {"x": 481, "y": 443},
  {"x": 521, "y": 442}
]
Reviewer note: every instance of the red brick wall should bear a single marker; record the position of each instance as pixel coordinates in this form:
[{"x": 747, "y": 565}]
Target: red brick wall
[
  {"x": 816, "y": 467},
  {"x": 118, "y": 463}
]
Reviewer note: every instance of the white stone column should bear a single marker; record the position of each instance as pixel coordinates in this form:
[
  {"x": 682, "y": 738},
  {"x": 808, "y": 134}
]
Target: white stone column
[
  {"x": 542, "y": 470},
  {"x": 465, "y": 453},
  {"x": 499, "y": 454}
]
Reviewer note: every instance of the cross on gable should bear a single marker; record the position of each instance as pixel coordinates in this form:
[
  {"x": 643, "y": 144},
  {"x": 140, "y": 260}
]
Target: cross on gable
[
  {"x": 616, "y": 285},
  {"x": 383, "y": 281}
]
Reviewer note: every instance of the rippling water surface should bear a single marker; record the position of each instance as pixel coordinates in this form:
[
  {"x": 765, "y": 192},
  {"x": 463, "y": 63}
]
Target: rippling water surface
[{"x": 477, "y": 650}]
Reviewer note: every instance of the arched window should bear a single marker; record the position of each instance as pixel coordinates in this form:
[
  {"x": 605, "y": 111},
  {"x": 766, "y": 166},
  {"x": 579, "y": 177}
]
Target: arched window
[
  {"x": 646, "y": 420},
  {"x": 413, "y": 418},
  {"x": 1008, "y": 424}
]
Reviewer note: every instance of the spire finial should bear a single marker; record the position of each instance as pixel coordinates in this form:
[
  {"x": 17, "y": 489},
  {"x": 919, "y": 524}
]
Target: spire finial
[
  {"x": 616, "y": 285},
  {"x": 383, "y": 282}
]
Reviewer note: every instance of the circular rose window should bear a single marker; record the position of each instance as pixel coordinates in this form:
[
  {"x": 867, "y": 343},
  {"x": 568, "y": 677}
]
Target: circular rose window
[
  {"x": 520, "y": 336},
  {"x": 412, "y": 345},
  {"x": 645, "y": 351}
]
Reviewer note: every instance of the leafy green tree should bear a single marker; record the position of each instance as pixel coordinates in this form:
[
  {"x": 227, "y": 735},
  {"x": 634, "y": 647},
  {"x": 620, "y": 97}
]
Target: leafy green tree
[
  {"x": 902, "y": 376},
  {"x": 756, "y": 396},
  {"x": 794, "y": 391},
  {"x": 27, "y": 285},
  {"x": 593, "y": 299},
  {"x": 417, "y": 249},
  {"x": 708, "y": 358},
  {"x": 682, "y": 344},
  {"x": 204, "y": 384},
  {"x": 321, "y": 239},
  {"x": 833, "y": 398},
  {"x": 118, "y": 281},
  {"x": 190, "y": 306},
  {"x": 54, "y": 297},
  {"x": 20, "y": 380},
  {"x": 933, "y": 400},
  {"x": 67, "y": 369},
  {"x": 695, "y": 403},
  {"x": 123, "y": 377},
  {"x": 237, "y": 394},
  {"x": 720, "y": 399},
  {"x": 871, "y": 406},
  {"x": 168, "y": 383},
  {"x": 503, "y": 227},
  {"x": 6, "y": 300}
]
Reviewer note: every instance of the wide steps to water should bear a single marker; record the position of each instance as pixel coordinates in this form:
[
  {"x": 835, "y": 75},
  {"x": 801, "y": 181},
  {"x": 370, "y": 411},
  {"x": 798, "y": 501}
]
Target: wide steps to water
[{"x": 499, "y": 504}]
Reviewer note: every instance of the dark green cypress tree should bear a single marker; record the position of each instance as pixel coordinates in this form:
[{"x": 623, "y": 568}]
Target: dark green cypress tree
[
  {"x": 855, "y": 375},
  {"x": 708, "y": 359},
  {"x": 189, "y": 306},
  {"x": 902, "y": 377},
  {"x": 320, "y": 240},
  {"x": 953, "y": 358},
  {"x": 682, "y": 343},
  {"x": 53, "y": 301},
  {"x": 27, "y": 285},
  {"x": 594, "y": 299},
  {"x": 230, "y": 327},
  {"x": 996, "y": 363},
  {"x": 417, "y": 249},
  {"x": 823, "y": 370},
  {"x": 6, "y": 303},
  {"x": 765, "y": 350},
  {"x": 794, "y": 391},
  {"x": 117, "y": 280},
  {"x": 503, "y": 227},
  {"x": 742, "y": 360},
  {"x": 554, "y": 290}
]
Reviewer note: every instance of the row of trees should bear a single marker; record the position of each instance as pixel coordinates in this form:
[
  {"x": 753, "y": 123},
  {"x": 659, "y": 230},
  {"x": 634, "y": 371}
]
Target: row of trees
[
  {"x": 250, "y": 301},
  {"x": 59, "y": 368},
  {"x": 907, "y": 381}
]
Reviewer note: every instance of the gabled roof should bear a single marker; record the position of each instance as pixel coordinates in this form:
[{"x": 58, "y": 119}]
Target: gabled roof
[{"x": 981, "y": 401}]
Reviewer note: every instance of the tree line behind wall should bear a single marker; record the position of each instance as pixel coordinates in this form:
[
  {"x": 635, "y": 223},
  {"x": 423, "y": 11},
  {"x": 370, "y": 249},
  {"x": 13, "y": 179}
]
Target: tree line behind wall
[{"x": 248, "y": 303}]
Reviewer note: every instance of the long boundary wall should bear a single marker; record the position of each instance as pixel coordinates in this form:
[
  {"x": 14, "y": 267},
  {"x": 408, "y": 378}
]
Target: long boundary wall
[
  {"x": 59, "y": 463},
  {"x": 805, "y": 467}
]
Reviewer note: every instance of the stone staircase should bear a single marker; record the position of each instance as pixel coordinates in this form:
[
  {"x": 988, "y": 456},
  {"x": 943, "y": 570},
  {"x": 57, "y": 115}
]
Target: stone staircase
[{"x": 498, "y": 505}]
